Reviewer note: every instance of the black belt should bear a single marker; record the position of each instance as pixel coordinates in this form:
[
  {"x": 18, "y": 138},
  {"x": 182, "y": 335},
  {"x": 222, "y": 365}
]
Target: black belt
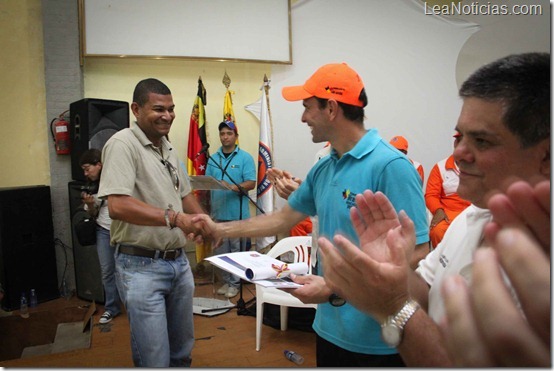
[{"x": 147, "y": 253}]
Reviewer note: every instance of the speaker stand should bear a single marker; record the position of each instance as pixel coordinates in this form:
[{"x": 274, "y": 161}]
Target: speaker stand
[{"x": 242, "y": 306}]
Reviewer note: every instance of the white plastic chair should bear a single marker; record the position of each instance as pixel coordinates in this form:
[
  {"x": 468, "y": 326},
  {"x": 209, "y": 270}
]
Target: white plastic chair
[{"x": 300, "y": 247}]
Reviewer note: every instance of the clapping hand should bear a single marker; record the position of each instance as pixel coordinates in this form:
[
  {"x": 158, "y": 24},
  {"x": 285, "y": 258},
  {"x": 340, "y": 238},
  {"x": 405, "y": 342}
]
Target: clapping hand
[
  {"x": 523, "y": 206},
  {"x": 484, "y": 326},
  {"x": 374, "y": 277},
  {"x": 283, "y": 181}
]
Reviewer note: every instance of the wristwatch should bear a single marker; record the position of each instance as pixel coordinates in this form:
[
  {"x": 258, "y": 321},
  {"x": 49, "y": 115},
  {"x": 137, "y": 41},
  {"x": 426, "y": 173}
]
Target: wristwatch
[
  {"x": 393, "y": 328},
  {"x": 336, "y": 300}
]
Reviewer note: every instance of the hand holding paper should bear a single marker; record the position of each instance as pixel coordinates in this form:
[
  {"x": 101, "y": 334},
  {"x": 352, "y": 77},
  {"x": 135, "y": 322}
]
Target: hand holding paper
[{"x": 260, "y": 268}]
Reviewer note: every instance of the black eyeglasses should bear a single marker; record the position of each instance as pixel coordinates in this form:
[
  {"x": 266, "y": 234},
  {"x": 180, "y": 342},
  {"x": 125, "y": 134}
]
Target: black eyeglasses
[{"x": 172, "y": 173}]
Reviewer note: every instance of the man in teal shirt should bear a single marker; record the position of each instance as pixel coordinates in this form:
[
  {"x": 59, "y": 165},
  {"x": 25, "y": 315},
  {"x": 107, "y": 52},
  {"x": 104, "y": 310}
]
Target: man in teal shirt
[
  {"x": 234, "y": 168},
  {"x": 334, "y": 99}
]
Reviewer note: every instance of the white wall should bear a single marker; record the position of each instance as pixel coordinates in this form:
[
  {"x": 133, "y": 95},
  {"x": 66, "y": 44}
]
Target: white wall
[
  {"x": 501, "y": 35},
  {"x": 408, "y": 60}
]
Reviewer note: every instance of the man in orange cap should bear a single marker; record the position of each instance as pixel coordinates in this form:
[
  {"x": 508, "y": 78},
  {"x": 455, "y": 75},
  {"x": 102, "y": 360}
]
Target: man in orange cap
[
  {"x": 334, "y": 99},
  {"x": 401, "y": 144}
]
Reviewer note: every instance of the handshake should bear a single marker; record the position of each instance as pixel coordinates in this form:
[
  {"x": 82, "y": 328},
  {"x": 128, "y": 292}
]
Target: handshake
[{"x": 199, "y": 228}]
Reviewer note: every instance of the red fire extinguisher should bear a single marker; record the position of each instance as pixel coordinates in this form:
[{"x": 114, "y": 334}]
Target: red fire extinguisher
[{"x": 61, "y": 135}]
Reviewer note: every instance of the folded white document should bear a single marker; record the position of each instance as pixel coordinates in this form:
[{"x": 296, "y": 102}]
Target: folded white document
[{"x": 259, "y": 268}]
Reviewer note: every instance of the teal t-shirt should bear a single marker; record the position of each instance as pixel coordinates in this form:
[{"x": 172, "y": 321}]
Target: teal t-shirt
[
  {"x": 239, "y": 165},
  {"x": 329, "y": 192}
]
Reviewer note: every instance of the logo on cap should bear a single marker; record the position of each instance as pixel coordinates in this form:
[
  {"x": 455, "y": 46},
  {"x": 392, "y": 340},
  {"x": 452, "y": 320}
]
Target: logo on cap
[
  {"x": 230, "y": 124},
  {"x": 336, "y": 79}
]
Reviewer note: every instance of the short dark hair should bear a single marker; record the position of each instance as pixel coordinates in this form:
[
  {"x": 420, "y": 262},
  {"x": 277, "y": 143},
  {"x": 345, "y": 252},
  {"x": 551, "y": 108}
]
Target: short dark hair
[
  {"x": 521, "y": 82},
  {"x": 147, "y": 86},
  {"x": 353, "y": 113},
  {"x": 90, "y": 156}
]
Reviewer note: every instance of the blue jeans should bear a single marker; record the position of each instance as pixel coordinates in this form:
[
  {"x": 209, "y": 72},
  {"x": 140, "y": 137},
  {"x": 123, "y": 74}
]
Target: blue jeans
[
  {"x": 107, "y": 267},
  {"x": 229, "y": 245},
  {"x": 158, "y": 295}
]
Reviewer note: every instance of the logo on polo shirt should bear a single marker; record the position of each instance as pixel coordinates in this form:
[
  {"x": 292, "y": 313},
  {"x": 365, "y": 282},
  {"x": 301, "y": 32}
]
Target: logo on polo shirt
[
  {"x": 350, "y": 198},
  {"x": 443, "y": 260}
]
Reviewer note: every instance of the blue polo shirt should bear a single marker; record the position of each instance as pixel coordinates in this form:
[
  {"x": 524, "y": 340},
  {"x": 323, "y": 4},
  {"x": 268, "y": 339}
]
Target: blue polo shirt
[
  {"x": 239, "y": 165},
  {"x": 329, "y": 192}
]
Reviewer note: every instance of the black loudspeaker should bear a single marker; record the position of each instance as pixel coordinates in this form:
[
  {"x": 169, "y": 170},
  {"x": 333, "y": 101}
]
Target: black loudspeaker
[
  {"x": 93, "y": 122},
  {"x": 88, "y": 276},
  {"x": 27, "y": 251}
]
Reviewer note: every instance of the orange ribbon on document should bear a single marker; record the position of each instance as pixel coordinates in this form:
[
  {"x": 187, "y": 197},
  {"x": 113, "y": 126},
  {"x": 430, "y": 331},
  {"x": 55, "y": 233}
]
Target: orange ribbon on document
[{"x": 282, "y": 269}]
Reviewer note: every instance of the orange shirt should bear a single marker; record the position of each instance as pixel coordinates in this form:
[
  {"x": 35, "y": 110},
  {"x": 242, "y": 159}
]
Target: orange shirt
[
  {"x": 441, "y": 190},
  {"x": 304, "y": 228},
  {"x": 441, "y": 193}
]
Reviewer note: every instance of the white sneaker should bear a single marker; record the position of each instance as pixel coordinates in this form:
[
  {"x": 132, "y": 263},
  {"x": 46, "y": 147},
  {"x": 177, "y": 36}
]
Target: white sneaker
[
  {"x": 105, "y": 318},
  {"x": 232, "y": 292},
  {"x": 223, "y": 289}
]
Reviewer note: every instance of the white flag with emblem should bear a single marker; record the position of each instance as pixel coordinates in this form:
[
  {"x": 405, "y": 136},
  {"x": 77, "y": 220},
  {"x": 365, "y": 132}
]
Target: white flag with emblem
[{"x": 264, "y": 191}]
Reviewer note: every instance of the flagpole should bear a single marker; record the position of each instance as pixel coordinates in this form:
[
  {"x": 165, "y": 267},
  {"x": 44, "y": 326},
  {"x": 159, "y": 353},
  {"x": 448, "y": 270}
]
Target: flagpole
[
  {"x": 264, "y": 193},
  {"x": 196, "y": 166},
  {"x": 266, "y": 89}
]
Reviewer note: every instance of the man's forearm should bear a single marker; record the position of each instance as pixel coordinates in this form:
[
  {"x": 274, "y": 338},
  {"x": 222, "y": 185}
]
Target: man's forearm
[
  {"x": 422, "y": 343},
  {"x": 134, "y": 211},
  {"x": 191, "y": 205},
  {"x": 419, "y": 289},
  {"x": 262, "y": 225},
  {"x": 420, "y": 252},
  {"x": 248, "y": 185}
]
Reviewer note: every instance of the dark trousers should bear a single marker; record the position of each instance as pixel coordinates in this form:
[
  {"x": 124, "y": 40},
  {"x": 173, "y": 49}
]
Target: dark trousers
[{"x": 330, "y": 355}]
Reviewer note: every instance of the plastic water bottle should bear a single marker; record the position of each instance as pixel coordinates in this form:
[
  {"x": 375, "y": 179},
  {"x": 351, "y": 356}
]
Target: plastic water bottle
[
  {"x": 294, "y": 357},
  {"x": 24, "y": 307},
  {"x": 33, "y": 300}
]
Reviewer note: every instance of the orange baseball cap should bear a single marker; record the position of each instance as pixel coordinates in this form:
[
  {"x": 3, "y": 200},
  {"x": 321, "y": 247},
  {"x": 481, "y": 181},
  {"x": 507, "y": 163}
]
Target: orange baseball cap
[
  {"x": 332, "y": 81},
  {"x": 399, "y": 142}
]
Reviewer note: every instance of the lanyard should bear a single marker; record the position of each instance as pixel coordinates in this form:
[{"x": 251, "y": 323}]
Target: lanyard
[{"x": 226, "y": 165}]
